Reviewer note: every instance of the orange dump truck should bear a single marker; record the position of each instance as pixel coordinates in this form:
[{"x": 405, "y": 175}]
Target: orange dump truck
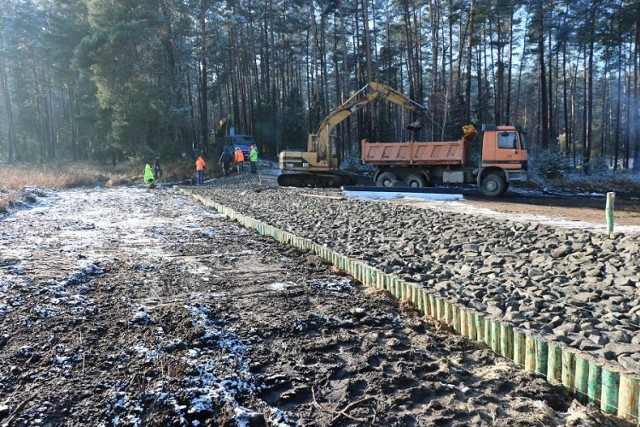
[{"x": 417, "y": 164}]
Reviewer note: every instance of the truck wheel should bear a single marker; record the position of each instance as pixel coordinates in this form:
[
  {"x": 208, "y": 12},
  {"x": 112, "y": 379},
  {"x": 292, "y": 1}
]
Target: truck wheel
[
  {"x": 492, "y": 185},
  {"x": 386, "y": 179},
  {"x": 415, "y": 180}
]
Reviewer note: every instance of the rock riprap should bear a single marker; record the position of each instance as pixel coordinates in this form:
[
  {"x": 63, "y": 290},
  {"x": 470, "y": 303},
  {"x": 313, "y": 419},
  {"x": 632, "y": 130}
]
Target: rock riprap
[{"x": 578, "y": 287}]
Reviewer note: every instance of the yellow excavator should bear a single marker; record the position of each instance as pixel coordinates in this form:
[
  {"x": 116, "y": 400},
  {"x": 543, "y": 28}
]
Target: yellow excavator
[{"x": 318, "y": 166}]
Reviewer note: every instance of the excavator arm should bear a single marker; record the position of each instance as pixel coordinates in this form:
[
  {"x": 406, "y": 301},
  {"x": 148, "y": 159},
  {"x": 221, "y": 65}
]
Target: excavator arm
[
  {"x": 321, "y": 142},
  {"x": 317, "y": 167}
]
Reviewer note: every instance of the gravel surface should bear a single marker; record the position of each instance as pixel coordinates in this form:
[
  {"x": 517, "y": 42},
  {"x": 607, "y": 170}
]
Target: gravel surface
[{"x": 575, "y": 286}]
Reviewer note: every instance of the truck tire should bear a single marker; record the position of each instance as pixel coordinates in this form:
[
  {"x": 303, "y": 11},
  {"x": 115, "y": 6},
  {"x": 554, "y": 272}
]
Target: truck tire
[
  {"x": 493, "y": 185},
  {"x": 386, "y": 179},
  {"x": 415, "y": 180}
]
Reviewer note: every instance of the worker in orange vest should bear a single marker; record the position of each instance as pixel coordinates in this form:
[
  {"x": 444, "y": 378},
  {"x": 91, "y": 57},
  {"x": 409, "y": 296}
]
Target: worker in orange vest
[
  {"x": 239, "y": 158},
  {"x": 200, "y": 166}
]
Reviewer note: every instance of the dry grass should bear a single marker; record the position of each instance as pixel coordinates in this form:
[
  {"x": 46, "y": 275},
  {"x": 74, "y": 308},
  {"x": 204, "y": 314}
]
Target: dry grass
[
  {"x": 15, "y": 178},
  {"x": 55, "y": 176}
]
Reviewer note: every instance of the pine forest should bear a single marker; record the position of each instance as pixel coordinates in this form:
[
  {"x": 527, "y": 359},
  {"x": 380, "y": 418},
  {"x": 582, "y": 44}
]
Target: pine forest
[{"x": 120, "y": 80}]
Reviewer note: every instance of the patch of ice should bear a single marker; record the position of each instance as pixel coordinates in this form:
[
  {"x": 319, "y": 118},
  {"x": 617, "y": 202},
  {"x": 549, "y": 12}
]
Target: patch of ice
[
  {"x": 281, "y": 286},
  {"x": 44, "y": 312},
  {"x": 141, "y": 317},
  {"x": 332, "y": 284},
  {"x": 387, "y": 195}
]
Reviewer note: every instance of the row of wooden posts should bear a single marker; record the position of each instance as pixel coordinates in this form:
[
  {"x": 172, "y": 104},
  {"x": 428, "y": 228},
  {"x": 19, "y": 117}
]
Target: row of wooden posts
[{"x": 588, "y": 379}]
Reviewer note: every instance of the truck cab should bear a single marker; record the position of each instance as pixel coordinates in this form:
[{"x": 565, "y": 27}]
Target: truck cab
[
  {"x": 244, "y": 142},
  {"x": 504, "y": 159}
]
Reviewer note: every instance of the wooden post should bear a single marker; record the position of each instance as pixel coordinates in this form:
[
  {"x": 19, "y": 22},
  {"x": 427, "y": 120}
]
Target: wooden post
[
  {"x": 455, "y": 320},
  {"x": 628, "y": 398},
  {"x": 487, "y": 331},
  {"x": 462, "y": 315},
  {"x": 610, "y": 386},
  {"x": 479, "y": 321},
  {"x": 568, "y": 369},
  {"x": 530, "y": 353},
  {"x": 519, "y": 347},
  {"x": 472, "y": 334},
  {"x": 611, "y": 198},
  {"x": 595, "y": 383},
  {"x": 506, "y": 341},
  {"x": 581, "y": 379},
  {"x": 542, "y": 354},
  {"x": 495, "y": 336},
  {"x": 440, "y": 309},
  {"x": 554, "y": 364}
]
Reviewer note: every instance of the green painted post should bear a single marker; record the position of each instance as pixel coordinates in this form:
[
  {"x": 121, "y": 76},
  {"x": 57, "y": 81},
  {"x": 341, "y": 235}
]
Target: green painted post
[
  {"x": 448, "y": 313},
  {"x": 581, "y": 380},
  {"x": 568, "y": 369},
  {"x": 506, "y": 341},
  {"x": 479, "y": 321},
  {"x": 439, "y": 309},
  {"x": 611, "y": 198},
  {"x": 472, "y": 333},
  {"x": 433, "y": 310},
  {"x": 519, "y": 347},
  {"x": 487, "y": 331},
  {"x": 542, "y": 355},
  {"x": 495, "y": 336},
  {"x": 610, "y": 388},
  {"x": 595, "y": 383},
  {"x": 462, "y": 315},
  {"x": 554, "y": 366}
]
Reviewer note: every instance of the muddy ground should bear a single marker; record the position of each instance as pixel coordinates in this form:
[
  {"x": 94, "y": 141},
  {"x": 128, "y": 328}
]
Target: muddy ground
[{"x": 139, "y": 307}]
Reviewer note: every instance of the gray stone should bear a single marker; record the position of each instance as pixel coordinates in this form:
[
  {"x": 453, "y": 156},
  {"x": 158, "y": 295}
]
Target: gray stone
[
  {"x": 588, "y": 345},
  {"x": 561, "y": 251},
  {"x": 564, "y": 329},
  {"x": 582, "y": 298},
  {"x": 622, "y": 348},
  {"x": 494, "y": 310},
  {"x": 598, "y": 339},
  {"x": 619, "y": 336},
  {"x": 514, "y": 316},
  {"x": 630, "y": 362}
]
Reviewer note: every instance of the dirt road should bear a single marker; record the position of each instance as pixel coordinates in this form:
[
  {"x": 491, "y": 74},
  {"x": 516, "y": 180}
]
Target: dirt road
[{"x": 134, "y": 307}]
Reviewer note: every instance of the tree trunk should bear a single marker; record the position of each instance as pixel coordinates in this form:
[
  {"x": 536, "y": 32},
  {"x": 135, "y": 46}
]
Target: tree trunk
[
  {"x": 4, "y": 89},
  {"x": 204, "y": 96},
  {"x": 544, "y": 103},
  {"x": 467, "y": 92},
  {"x": 588, "y": 121}
]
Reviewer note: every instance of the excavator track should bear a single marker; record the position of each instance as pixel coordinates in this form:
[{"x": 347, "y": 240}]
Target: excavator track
[{"x": 316, "y": 180}]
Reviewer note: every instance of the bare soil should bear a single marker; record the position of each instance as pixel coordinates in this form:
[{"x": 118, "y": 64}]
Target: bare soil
[
  {"x": 574, "y": 208},
  {"x": 141, "y": 307}
]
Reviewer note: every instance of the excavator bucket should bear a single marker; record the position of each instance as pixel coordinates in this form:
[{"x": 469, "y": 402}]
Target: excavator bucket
[{"x": 415, "y": 126}]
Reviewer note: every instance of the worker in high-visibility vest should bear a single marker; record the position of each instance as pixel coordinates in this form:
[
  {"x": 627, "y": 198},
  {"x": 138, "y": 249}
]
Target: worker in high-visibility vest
[
  {"x": 148, "y": 174},
  {"x": 239, "y": 158},
  {"x": 200, "y": 167},
  {"x": 253, "y": 158}
]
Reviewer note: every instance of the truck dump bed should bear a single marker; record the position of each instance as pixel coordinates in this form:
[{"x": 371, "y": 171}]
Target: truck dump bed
[{"x": 413, "y": 153}]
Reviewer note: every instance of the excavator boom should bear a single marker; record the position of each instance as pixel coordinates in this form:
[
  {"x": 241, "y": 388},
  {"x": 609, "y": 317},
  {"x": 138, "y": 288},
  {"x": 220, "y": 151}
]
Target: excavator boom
[{"x": 317, "y": 167}]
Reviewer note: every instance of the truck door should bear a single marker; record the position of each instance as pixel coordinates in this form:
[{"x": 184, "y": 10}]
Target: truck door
[{"x": 502, "y": 149}]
